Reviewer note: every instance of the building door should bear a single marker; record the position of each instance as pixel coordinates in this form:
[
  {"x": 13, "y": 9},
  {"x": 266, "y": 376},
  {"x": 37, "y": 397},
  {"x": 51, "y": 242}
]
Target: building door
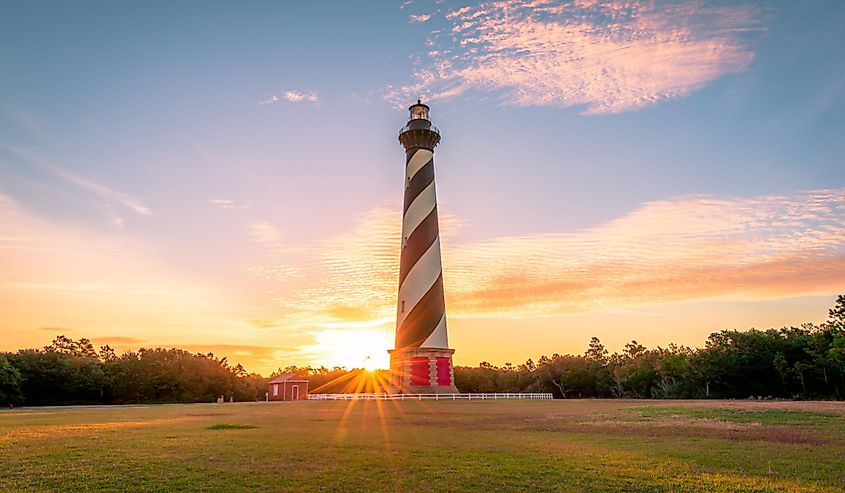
[
  {"x": 275, "y": 390},
  {"x": 295, "y": 392}
]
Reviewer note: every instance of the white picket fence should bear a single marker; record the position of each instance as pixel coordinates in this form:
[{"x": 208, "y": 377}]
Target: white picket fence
[{"x": 425, "y": 397}]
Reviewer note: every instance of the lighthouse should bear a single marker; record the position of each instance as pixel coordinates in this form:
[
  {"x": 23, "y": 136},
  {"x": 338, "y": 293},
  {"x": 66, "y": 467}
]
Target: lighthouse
[{"x": 422, "y": 360}]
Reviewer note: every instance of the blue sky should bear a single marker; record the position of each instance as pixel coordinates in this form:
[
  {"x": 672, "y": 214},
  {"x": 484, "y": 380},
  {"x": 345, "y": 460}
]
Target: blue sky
[{"x": 139, "y": 131}]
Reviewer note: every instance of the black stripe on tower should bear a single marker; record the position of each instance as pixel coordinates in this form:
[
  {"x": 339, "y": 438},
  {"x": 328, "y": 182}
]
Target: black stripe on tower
[{"x": 424, "y": 317}]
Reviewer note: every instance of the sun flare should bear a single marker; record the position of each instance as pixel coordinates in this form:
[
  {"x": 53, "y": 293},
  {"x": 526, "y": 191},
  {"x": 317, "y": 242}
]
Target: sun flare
[
  {"x": 370, "y": 364},
  {"x": 354, "y": 348}
]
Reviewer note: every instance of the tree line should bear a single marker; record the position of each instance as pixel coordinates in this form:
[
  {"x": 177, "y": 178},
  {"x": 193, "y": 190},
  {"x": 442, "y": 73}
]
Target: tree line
[
  {"x": 74, "y": 372},
  {"x": 806, "y": 362}
]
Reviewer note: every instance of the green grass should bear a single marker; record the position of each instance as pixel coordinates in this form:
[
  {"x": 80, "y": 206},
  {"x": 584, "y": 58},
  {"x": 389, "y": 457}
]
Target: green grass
[
  {"x": 589, "y": 445},
  {"x": 227, "y": 426},
  {"x": 775, "y": 417}
]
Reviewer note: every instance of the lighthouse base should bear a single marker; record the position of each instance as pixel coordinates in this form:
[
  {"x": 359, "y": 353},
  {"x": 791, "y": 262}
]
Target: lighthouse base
[{"x": 422, "y": 371}]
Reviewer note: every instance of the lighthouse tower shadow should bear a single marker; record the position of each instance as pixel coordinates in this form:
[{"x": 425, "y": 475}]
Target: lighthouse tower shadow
[{"x": 422, "y": 360}]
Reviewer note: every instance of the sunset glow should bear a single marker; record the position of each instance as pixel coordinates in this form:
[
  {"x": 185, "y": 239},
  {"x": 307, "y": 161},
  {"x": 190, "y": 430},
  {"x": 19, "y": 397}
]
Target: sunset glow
[
  {"x": 353, "y": 348},
  {"x": 233, "y": 184}
]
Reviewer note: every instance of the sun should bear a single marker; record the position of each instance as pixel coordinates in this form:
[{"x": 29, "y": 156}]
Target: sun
[
  {"x": 353, "y": 348},
  {"x": 371, "y": 364}
]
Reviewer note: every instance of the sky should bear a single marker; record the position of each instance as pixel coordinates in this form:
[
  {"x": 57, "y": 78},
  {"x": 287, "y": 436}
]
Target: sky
[{"x": 226, "y": 177}]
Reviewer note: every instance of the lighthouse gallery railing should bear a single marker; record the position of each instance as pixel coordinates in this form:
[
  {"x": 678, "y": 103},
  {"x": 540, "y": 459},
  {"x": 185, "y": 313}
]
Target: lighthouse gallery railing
[{"x": 407, "y": 128}]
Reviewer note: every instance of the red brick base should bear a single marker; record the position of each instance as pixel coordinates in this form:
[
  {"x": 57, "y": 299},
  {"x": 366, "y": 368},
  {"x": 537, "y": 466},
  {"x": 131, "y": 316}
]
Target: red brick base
[{"x": 423, "y": 370}]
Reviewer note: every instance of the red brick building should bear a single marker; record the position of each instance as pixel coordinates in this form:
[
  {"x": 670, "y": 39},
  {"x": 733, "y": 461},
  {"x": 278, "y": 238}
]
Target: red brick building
[{"x": 287, "y": 387}]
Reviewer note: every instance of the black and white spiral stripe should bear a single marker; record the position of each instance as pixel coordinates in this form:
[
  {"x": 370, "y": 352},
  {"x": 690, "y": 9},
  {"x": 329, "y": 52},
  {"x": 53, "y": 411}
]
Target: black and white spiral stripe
[{"x": 421, "y": 314}]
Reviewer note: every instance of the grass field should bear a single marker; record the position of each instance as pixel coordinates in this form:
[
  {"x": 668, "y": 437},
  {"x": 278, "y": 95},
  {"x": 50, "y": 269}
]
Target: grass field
[{"x": 589, "y": 445}]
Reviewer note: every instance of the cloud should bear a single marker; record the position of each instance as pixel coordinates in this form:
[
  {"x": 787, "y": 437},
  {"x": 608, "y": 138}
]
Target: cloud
[
  {"x": 226, "y": 204},
  {"x": 293, "y": 97},
  {"x": 22, "y": 119},
  {"x": 353, "y": 313},
  {"x": 607, "y": 57},
  {"x": 118, "y": 221},
  {"x": 676, "y": 250},
  {"x": 418, "y": 19},
  {"x": 57, "y": 330},
  {"x": 111, "y": 340},
  {"x": 264, "y": 323},
  {"x": 263, "y": 232},
  {"x": 270, "y": 99},
  {"x": 110, "y": 195},
  {"x": 105, "y": 192}
]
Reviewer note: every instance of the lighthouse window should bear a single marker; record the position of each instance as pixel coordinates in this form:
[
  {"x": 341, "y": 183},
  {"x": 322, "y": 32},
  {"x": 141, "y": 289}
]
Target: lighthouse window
[
  {"x": 403, "y": 306},
  {"x": 419, "y": 113}
]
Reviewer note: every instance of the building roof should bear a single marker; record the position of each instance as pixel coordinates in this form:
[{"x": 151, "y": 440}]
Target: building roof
[{"x": 287, "y": 377}]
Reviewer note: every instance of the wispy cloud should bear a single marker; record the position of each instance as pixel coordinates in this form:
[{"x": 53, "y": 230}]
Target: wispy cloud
[
  {"x": 296, "y": 96},
  {"x": 418, "y": 19},
  {"x": 105, "y": 192},
  {"x": 606, "y": 56},
  {"x": 227, "y": 204},
  {"x": 682, "y": 249},
  {"x": 111, "y": 196},
  {"x": 264, "y": 232},
  {"x": 293, "y": 97},
  {"x": 112, "y": 340},
  {"x": 22, "y": 118},
  {"x": 57, "y": 330},
  {"x": 270, "y": 99}
]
